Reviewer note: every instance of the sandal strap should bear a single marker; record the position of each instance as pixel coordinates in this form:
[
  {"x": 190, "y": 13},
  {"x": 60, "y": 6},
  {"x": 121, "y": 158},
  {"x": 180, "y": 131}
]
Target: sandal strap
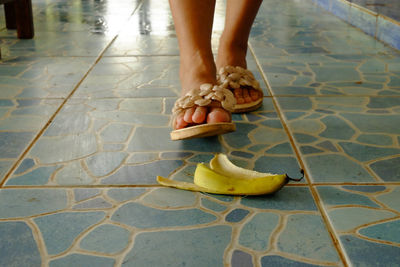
[
  {"x": 203, "y": 96},
  {"x": 234, "y": 77}
]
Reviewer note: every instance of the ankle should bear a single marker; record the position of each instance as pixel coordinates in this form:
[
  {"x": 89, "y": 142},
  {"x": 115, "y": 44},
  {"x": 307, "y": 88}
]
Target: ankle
[
  {"x": 195, "y": 70},
  {"x": 231, "y": 53}
]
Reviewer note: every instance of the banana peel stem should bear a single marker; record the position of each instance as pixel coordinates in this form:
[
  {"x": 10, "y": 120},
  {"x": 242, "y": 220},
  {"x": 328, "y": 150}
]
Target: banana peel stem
[{"x": 296, "y": 179}]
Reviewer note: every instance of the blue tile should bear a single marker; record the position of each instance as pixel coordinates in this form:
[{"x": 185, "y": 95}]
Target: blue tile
[
  {"x": 96, "y": 203},
  {"x": 212, "y": 205},
  {"x": 387, "y": 231},
  {"x": 304, "y": 138},
  {"x": 103, "y": 163},
  {"x": 239, "y": 138},
  {"x": 140, "y": 216},
  {"x": 241, "y": 259},
  {"x": 236, "y": 215},
  {"x": 366, "y": 253},
  {"x": 124, "y": 194},
  {"x": 39, "y": 176},
  {"x": 106, "y": 238},
  {"x": 4, "y": 167},
  {"x": 284, "y": 148},
  {"x": 336, "y": 128},
  {"x": 335, "y": 196},
  {"x": 375, "y": 139},
  {"x": 288, "y": 198},
  {"x": 60, "y": 230},
  {"x": 85, "y": 193},
  {"x": 16, "y": 203},
  {"x": 13, "y": 143},
  {"x": 242, "y": 154},
  {"x": 388, "y": 170},
  {"x": 81, "y": 260},
  {"x": 367, "y": 153},
  {"x": 279, "y": 261},
  {"x": 209, "y": 244},
  {"x": 143, "y": 174},
  {"x": 313, "y": 240},
  {"x": 349, "y": 171},
  {"x": 257, "y": 232},
  {"x": 25, "y": 165},
  {"x": 365, "y": 188},
  {"x": 157, "y": 139},
  {"x": 309, "y": 150},
  {"x": 17, "y": 245},
  {"x": 375, "y": 123}
]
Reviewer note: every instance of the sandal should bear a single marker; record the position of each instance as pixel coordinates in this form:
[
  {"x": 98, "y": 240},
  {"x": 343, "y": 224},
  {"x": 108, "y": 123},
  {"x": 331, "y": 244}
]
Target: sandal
[
  {"x": 204, "y": 96},
  {"x": 230, "y": 77}
]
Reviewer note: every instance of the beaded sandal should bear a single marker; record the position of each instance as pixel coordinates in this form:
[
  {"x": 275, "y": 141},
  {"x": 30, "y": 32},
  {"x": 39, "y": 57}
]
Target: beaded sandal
[
  {"x": 231, "y": 78},
  {"x": 204, "y": 96}
]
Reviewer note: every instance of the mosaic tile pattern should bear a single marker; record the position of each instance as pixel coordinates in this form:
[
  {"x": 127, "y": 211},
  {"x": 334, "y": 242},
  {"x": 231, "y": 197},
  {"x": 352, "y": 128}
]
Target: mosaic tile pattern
[
  {"x": 351, "y": 139},
  {"x": 85, "y": 194},
  {"x": 366, "y": 219},
  {"x": 113, "y": 141},
  {"x": 128, "y": 230}
]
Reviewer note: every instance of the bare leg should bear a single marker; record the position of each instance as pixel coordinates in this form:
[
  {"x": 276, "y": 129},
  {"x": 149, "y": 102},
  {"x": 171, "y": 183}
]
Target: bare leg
[
  {"x": 193, "y": 21},
  {"x": 240, "y": 15}
]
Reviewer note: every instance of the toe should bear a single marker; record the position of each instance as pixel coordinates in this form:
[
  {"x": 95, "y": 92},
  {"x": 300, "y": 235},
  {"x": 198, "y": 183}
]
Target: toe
[
  {"x": 239, "y": 95},
  {"x": 188, "y": 117},
  {"x": 246, "y": 96},
  {"x": 218, "y": 115},
  {"x": 199, "y": 115},
  {"x": 254, "y": 94},
  {"x": 180, "y": 122}
]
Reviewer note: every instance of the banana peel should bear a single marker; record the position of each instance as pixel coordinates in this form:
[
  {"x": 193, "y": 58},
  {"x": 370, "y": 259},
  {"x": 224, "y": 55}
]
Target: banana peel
[{"x": 223, "y": 177}]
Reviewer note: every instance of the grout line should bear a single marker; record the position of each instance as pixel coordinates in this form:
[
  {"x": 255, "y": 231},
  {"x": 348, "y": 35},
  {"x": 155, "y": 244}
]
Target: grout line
[
  {"x": 161, "y": 186},
  {"x": 36, "y": 138},
  {"x": 328, "y": 225}
]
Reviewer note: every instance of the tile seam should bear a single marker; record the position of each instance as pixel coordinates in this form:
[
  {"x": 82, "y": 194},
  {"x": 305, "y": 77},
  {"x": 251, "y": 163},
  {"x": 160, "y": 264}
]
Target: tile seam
[{"x": 329, "y": 227}]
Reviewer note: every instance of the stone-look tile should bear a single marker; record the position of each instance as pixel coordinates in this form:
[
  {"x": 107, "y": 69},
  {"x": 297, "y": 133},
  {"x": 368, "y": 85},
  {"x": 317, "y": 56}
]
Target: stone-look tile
[
  {"x": 74, "y": 149},
  {"x": 41, "y": 77},
  {"x": 20, "y": 121},
  {"x": 143, "y": 220},
  {"x": 353, "y": 138},
  {"x": 55, "y": 44},
  {"x": 137, "y": 77},
  {"x": 333, "y": 74},
  {"x": 366, "y": 220},
  {"x": 17, "y": 245}
]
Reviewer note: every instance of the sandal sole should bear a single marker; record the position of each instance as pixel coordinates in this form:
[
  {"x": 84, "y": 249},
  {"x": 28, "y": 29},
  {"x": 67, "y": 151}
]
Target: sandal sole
[{"x": 202, "y": 130}]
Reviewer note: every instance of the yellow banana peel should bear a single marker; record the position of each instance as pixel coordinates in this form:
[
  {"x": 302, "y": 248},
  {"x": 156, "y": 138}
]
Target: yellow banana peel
[{"x": 223, "y": 177}]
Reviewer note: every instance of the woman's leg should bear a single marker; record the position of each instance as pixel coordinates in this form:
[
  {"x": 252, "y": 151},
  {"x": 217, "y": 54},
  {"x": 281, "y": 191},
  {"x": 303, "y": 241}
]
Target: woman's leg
[
  {"x": 240, "y": 15},
  {"x": 193, "y": 21}
]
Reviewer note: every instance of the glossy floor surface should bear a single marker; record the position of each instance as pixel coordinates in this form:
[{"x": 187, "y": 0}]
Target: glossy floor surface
[{"x": 84, "y": 131}]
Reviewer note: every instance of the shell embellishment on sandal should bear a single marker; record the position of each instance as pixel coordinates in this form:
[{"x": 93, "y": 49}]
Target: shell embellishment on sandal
[{"x": 230, "y": 77}]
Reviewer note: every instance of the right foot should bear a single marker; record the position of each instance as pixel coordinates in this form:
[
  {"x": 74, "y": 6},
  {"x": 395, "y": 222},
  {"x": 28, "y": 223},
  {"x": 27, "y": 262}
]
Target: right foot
[
  {"x": 230, "y": 55},
  {"x": 193, "y": 73}
]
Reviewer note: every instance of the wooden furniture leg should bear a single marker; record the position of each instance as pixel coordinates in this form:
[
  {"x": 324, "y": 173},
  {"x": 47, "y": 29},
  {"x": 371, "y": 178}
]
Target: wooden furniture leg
[
  {"x": 24, "y": 18},
  {"x": 9, "y": 10}
]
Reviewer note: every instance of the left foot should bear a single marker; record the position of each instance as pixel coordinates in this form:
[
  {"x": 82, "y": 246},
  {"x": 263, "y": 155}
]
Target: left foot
[{"x": 236, "y": 56}]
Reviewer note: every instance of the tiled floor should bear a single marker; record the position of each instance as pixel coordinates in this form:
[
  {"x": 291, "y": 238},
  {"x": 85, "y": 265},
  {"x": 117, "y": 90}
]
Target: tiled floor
[
  {"x": 84, "y": 130},
  {"x": 390, "y": 8}
]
